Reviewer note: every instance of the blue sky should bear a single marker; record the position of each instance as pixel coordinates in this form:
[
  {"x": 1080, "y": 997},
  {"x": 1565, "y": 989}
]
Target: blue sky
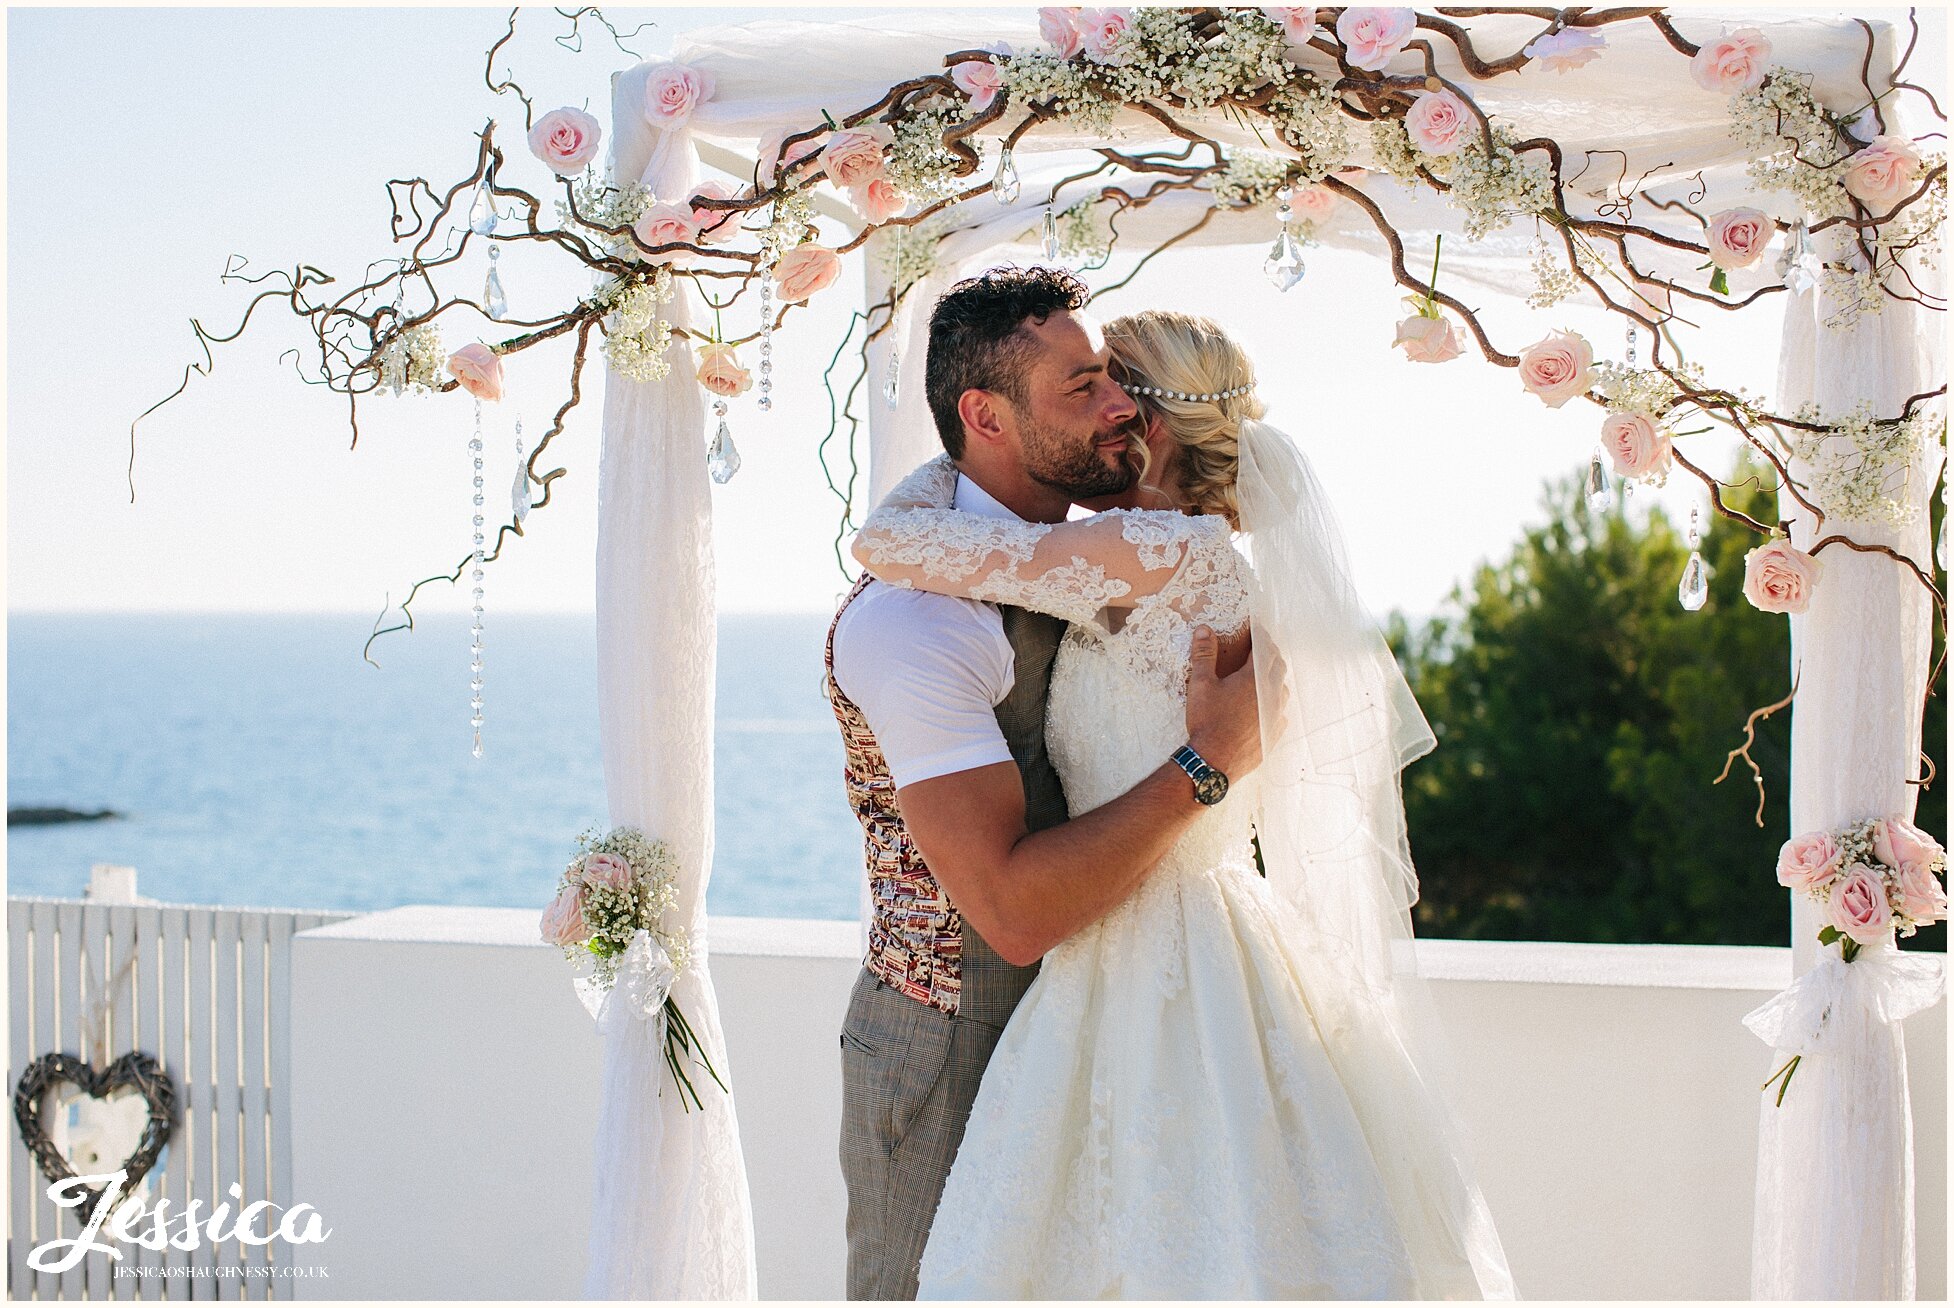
[{"x": 146, "y": 146}]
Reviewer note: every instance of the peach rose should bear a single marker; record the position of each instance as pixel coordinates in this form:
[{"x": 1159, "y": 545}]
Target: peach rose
[
  {"x": 804, "y": 270},
  {"x": 666, "y": 224},
  {"x": 1099, "y": 32},
  {"x": 1314, "y": 202},
  {"x": 1857, "y": 905},
  {"x": 1897, "y": 841},
  {"x": 720, "y": 372},
  {"x": 1428, "y": 340},
  {"x": 565, "y": 140},
  {"x": 878, "y": 200},
  {"x": 1635, "y": 444},
  {"x": 1922, "y": 897},
  {"x": 1298, "y": 24},
  {"x": 1737, "y": 237},
  {"x": 1733, "y": 62},
  {"x": 770, "y": 151},
  {"x": 1060, "y": 28},
  {"x": 478, "y": 369},
  {"x": 854, "y": 156},
  {"x": 1567, "y": 49},
  {"x": 1558, "y": 367},
  {"x": 1371, "y": 36},
  {"x": 610, "y": 871},
  {"x": 714, "y": 225},
  {"x": 1778, "y": 578},
  {"x": 563, "y": 922},
  {"x": 672, "y": 92},
  {"x": 1438, "y": 122},
  {"x": 1809, "y": 861},
  {"x": 980, "y": 80},
  {"x": 1883, "y": 173}
]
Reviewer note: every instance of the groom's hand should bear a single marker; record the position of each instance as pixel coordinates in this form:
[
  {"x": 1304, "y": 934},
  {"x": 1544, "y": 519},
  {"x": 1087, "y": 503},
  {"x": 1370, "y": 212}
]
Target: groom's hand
[{"x": 1223, "y": 724}]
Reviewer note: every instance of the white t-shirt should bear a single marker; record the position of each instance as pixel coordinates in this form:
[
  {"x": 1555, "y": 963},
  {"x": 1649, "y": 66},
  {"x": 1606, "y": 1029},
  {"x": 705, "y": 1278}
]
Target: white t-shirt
[{"x": 928, "y": 671}]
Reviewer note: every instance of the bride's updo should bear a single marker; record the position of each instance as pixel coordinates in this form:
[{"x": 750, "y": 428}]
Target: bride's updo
[{"x": 1159, "y": 355}]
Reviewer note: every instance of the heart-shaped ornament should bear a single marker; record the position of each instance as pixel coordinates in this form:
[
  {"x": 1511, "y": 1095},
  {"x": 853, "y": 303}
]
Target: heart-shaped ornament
[{"x": 103, "y": 1131}]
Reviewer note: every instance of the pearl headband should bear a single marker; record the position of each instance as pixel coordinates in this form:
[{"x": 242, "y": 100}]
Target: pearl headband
[{"x": 1164, "y": 394}]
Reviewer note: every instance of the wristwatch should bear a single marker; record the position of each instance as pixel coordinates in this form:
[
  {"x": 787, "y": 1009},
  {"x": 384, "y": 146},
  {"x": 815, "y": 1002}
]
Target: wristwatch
[{"x": 1210, "y": 782}]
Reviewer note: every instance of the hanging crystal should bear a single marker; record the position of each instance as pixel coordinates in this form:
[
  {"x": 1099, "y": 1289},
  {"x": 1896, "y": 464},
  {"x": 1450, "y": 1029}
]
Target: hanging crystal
[
  {"x": 1600, "y": 486},
  {"x": 475, "y": 632},
  {"x": 1051, "y": 232},
  {"x": 493, "y": 299},
  {"x": 1694, "y": 588},
  {"x": 1798, "y": 265},
  {"x": 481, "y": 213},
  {"x": 1004, "y": 185},
  {"x": 1631, "y": 342},
  {"x": 723, "y": 459},
  {"x": 1284, "y": 266},
  {"x": 892, "y": 383},
  {"x": 519, "y": 493},
  {"x": 766, "y": 340}
]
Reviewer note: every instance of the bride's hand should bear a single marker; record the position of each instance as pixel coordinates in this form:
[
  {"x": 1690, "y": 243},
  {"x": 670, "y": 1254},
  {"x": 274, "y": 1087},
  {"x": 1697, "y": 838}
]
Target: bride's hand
[{"x": 1222, "y": 722}]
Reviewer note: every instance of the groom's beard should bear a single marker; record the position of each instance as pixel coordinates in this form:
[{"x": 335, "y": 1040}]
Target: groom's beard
[{"x": 1077, "y": 471}]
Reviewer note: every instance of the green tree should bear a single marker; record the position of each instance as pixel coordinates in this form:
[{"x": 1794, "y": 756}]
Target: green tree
[{"x": 1582, "y": 714}]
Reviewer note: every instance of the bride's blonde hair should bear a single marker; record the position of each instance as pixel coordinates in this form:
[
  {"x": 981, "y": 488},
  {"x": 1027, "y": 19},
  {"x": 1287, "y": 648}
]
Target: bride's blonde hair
[{"x": 1164, "y": 350}]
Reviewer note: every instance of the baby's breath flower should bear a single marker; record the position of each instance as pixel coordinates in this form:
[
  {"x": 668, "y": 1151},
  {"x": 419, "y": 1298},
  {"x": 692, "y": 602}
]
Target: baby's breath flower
[
  {"x": 412, "y": 359},
  {"x": 1857, "y": 469}
]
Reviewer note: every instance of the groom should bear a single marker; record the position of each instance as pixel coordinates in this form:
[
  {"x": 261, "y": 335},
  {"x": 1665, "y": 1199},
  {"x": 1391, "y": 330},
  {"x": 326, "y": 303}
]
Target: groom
[{"x": 973, "y": 868}]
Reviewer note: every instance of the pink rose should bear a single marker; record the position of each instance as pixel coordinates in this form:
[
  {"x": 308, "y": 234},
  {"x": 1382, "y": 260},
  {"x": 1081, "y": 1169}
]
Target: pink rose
[
  {"x": 1315, "y": 202},
  {"x": 1737, "y": 237},
  {"x": 1567, "y": 49},
  {"x": 1438, "y": 122},
  {"x": 1636, "y": 445},
  {"x": 1060, "y": 28},
  {"x": 610, "y": 871},
  {"x": 1778, "y": 578},
  {"x": 1857, "y": 905},
  {"x": 804, "y": 270},
  {"x": 666, "y": 224},
  {"x": 854, "y": 156},
  {"x": 1883, "y": 173},
  {"x": 980, "y": 80},
  {"x": 1558, "y": 367},
  {"x": 1428, "y": 340},
  {"x": 1809, "y": 861},
  {"x": 672, "y": 92},
  {"x": 1371, "y": 36},
  {"x": 478, "y": 369},
  {"x": 1099, "y": 32},
  {"x": 714, "y": 225},
  {"x": 878, "y": 200},
  {"x": 1298, "y": 24},
  {"x": 563, "y": 922},
  {"x": 1922, "y": 897},
  {"x": 1897, "y": 841},
  {"x": 565, "y": 140},
  {"x": 720, "y": 372},
  {"x": 1733, "y": 62},
  {"x": 770, "y": 152}
]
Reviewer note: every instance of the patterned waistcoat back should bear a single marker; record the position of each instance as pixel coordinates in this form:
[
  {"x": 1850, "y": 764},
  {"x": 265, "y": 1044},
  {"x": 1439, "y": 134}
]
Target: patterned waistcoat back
[{"x": 918, "y": 943}]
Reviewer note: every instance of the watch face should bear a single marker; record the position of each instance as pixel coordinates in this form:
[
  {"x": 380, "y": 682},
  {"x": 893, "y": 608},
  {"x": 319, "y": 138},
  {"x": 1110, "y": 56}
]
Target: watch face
[{"x": 1210, "y": 788}]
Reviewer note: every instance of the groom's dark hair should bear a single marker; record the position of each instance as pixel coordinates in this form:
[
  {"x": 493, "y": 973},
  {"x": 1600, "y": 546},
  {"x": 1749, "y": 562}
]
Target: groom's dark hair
[{"x": 978, "y": 342}]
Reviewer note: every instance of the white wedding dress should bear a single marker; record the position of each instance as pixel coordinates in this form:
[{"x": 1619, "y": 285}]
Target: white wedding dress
[{"x": 1160, "y": 1118}]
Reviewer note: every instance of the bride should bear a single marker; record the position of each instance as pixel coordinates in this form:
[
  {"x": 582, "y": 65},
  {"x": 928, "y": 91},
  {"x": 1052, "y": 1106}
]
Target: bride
[{"x": 1224, "y": 1087}]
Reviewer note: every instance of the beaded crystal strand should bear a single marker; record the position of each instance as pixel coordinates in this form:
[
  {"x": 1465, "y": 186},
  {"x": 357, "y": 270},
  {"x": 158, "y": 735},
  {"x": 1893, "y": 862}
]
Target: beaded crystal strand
[{"x": 475, "y": 634}]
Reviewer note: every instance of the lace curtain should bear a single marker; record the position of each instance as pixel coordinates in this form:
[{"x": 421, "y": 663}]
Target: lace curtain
[{"x": 671, "y": 1218}]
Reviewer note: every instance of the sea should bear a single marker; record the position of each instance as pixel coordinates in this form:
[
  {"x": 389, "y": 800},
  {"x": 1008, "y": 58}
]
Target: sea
[{"x": 260, "y": 761}]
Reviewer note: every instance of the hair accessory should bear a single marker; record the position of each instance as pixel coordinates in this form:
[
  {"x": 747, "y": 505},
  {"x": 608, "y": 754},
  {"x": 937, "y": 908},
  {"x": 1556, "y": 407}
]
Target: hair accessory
[{"x": 1165, "y": 394}]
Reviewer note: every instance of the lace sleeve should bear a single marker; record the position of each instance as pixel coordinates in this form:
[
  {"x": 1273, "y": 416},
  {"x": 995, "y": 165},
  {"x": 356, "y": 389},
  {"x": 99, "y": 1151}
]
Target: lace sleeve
[{"x": 1073, "y": 570}]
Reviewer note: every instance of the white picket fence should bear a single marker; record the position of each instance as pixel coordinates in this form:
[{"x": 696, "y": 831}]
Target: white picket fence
[{"x": 207, "y": 995}]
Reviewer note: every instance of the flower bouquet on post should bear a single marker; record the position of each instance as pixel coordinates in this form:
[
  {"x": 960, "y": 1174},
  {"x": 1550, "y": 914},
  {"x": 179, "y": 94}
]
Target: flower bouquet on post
[
  {"x": 608, "y": 918},
  {"x": 1870, "y": 880}
]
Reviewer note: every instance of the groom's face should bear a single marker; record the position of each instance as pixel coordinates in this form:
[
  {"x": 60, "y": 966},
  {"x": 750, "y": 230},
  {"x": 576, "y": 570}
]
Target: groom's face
[{"x": 1074, "y": 422}]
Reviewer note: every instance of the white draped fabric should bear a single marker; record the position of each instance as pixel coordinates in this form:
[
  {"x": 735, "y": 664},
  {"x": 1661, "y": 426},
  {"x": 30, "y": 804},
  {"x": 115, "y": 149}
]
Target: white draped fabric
[{"x": 673, "y": 1217}]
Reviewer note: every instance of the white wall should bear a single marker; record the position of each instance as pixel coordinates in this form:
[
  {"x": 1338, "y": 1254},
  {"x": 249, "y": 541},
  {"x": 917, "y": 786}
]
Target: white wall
[{"x": 444, "y": 1091}]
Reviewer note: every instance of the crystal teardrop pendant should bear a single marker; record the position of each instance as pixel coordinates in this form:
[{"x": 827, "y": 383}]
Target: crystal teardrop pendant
[
  {"x": 519, "y": 493},
  {"x": 1051, "y": 234},
  {"x": 1694, "y": 588},
  {"x": 892, "y": 383},
  {"x": 1004, "y": 186},
  {"x": 481, "y": 214},
  {"x": 723, "y": 458},
  {"x": 493, "y": 298},
  {"x": 1600, "y": 486},
  {"x": 1284, "y": 266}
]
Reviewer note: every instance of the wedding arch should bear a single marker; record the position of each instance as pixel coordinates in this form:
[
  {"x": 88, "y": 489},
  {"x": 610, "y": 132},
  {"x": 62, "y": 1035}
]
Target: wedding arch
[{"x": 1671, "y": 167}]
